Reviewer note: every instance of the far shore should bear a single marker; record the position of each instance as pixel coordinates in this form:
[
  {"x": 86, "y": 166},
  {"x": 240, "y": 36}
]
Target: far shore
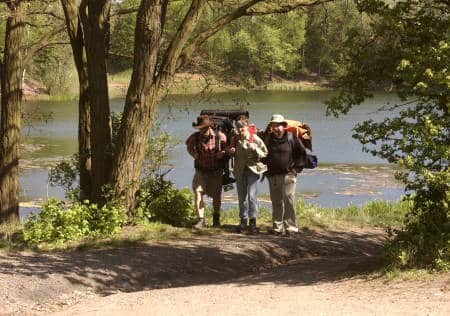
[{"x": 184, "y": 83}]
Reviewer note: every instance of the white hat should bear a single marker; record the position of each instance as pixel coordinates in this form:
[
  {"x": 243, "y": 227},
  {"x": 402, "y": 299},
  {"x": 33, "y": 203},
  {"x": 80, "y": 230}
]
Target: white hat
[{"x": 278, "y": 119}]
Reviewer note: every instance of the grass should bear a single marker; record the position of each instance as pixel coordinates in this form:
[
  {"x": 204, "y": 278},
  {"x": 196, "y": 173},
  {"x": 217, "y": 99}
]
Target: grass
[
  {"x": 184, "y": 83},
  {"x": 295, "y": 86},
  {"x": 409, "y": 275},
  {"x": 377, "y": 213},
  {"x": 10, "y": 235}
]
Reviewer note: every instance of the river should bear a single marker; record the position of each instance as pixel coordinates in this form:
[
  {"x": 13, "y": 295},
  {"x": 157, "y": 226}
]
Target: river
[{"x": 346, "y": 175}]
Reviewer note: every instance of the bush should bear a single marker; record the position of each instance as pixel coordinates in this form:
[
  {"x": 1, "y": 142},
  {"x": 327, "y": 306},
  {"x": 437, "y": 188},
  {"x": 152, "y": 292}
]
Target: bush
[
  {"x": 55, "y": 223},
  {"x": 425, "y": 239},
  {"x": 159, "y": 201}
]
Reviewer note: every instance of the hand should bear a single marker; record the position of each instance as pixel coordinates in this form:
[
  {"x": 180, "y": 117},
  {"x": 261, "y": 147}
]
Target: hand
[{"x": 231, "y": 150}]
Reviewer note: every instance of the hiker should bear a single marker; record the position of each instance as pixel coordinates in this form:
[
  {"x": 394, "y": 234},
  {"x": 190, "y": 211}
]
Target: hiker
[
  {"x": 284, "y": 149},
  {"x": 248, "y": 149},
  {"x": 207, "y": 147}
]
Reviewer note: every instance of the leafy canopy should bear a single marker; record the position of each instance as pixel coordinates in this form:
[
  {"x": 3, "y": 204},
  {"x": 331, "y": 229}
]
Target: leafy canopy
[{"x": 407, "y": 51}]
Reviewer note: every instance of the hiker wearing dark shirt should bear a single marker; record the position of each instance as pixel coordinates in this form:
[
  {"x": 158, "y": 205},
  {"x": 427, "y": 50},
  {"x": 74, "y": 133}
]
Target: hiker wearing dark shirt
[
  {"x": 283, "y": 150},
  {"x": 207, "y": 147}
]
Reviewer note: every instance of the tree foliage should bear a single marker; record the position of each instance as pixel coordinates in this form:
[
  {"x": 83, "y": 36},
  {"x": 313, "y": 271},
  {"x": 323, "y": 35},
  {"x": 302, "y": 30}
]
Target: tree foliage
[
  {"x": 328, "y": 27},
  {"x": 408, "y": 52}
]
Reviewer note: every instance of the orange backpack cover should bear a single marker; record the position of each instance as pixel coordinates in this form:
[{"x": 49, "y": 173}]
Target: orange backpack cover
[{"x": 302, "y": 131}]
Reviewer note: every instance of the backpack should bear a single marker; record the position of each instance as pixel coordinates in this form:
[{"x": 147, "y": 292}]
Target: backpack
[
  {"x": 307, "y": 161},
  {"x": 302, "y": 131},
  {"x": 223, "y": 122},
  {"x": 223, "y": 119}
]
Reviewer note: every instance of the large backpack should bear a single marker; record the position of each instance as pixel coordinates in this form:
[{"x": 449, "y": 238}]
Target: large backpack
[
  {"x": 308, "y": 161},
  {"x": 302, "y": 131},
  {"x": 223, "y": 119},
  {"x": 223, "y": 122}
]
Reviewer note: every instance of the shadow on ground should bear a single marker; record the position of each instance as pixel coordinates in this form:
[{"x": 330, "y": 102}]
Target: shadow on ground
[{"x": 318, "y": 256}]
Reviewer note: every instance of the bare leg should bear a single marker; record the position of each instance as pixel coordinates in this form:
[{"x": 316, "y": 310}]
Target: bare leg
[{"x": 199, "y": 204}]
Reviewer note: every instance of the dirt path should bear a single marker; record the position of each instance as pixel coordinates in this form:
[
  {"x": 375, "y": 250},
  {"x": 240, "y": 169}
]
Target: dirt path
[{"x": 320, "y": 272}]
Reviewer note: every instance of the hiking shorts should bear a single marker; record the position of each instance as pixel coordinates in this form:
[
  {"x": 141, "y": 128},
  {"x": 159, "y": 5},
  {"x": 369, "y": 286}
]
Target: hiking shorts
[{"x": 208, "y": 182}]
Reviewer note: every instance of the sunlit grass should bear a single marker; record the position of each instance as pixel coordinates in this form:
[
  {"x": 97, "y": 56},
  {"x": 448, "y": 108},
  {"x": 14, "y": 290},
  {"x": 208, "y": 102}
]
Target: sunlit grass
[
  {"x": 377, "y": 213},
  {"x": 409, "y": 275},
  {"x": 295, "y": 86}
]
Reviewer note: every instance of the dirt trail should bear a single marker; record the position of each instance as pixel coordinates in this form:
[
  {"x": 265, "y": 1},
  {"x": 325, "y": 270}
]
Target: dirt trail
[{"x": 319, "y": 272}]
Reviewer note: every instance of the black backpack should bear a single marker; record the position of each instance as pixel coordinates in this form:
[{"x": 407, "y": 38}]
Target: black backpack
[
  {"x": 307, "y": 161},
  {"x": 223, "y": 122}
]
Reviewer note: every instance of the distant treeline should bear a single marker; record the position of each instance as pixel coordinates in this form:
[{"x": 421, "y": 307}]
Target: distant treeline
[{"x": 251, "y": 51}]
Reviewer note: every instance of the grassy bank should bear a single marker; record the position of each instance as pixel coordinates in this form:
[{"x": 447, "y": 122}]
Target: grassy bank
[
  {"x": 187, "y": 83},
  {"x": 377, "y": 213},
  {"x": 373, "y": 214}
]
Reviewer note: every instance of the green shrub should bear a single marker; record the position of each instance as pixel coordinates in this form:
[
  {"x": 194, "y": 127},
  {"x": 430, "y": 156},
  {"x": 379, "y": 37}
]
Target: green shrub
[
  {"x": 55, "y": 223},
  {"x": 425, "y": 239},
  {"x": 159, "y": 201}
]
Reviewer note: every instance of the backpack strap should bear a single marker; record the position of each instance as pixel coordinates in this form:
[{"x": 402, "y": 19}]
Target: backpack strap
[
  {"x": 290, "y": 139},
  {"x": 217, "y": 141}
]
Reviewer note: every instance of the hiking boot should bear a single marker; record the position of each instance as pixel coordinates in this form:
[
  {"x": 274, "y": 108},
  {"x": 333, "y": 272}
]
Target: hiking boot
[
  {"x": 200, "y": 224},
  {"x": 275, "y": 232},
  {"x": 242, "y": 225},
  {"x": 291, "y": 233},
  {"x": 252, "y": 227},
  {"x": 216, "y": 220}
]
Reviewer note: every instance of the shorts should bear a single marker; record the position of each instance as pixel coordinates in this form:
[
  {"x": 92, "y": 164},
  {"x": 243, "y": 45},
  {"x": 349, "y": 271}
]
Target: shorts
[{"x": 209, "y": 183}]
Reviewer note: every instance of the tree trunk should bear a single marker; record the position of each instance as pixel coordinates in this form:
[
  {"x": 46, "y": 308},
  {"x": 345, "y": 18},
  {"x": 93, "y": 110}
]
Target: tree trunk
[
  {"x": 84, "y": 137},
  {"x": 11, "y": 99},
  {"x": 75, "y": 32},
  {"x": 140, "y": 101},
  {"x": 95, "y": 21},
  {"x": 144, "y": 90}
]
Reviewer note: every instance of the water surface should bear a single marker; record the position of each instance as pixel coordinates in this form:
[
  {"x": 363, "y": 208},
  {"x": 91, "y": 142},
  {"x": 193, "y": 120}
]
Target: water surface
[{"x": 346, "y": 175}]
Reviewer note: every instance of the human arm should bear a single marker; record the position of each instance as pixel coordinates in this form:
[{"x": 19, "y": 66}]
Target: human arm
[
  {"x": 259, "y": 147},
  {"x": 191, "y": 146}
]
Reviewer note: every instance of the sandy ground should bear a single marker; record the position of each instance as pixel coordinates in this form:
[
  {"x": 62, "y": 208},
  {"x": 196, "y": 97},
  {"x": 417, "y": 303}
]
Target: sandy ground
[{"x": 317, "y": 273}]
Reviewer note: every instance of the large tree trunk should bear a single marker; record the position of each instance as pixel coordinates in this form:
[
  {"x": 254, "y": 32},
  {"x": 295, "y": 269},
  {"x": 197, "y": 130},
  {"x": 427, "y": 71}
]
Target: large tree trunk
[
  {"x": 95, "y": 21},
  {"x": 144, "y": 90},
  {"x": 140, "y": 100},
  {"x": 11, "y": 99},
  {"x": 75, "y": 32}
]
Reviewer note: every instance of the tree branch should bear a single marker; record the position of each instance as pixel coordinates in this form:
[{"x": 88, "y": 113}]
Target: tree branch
[
  {"x": 41, "y": 43},
  {"x": 49, "y": 13},
  {"x": 213, "y": 29},
  {"x": 243, "y": 10},
  {"x": 185, "y": 29},
  {"x": 124, "y": 11},
  {"x": 284, "y": 8}
]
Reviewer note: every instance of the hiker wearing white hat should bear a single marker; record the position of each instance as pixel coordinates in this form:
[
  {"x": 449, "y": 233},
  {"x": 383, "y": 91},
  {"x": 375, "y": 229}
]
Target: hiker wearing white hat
[{"x": 284, "y": 149}]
